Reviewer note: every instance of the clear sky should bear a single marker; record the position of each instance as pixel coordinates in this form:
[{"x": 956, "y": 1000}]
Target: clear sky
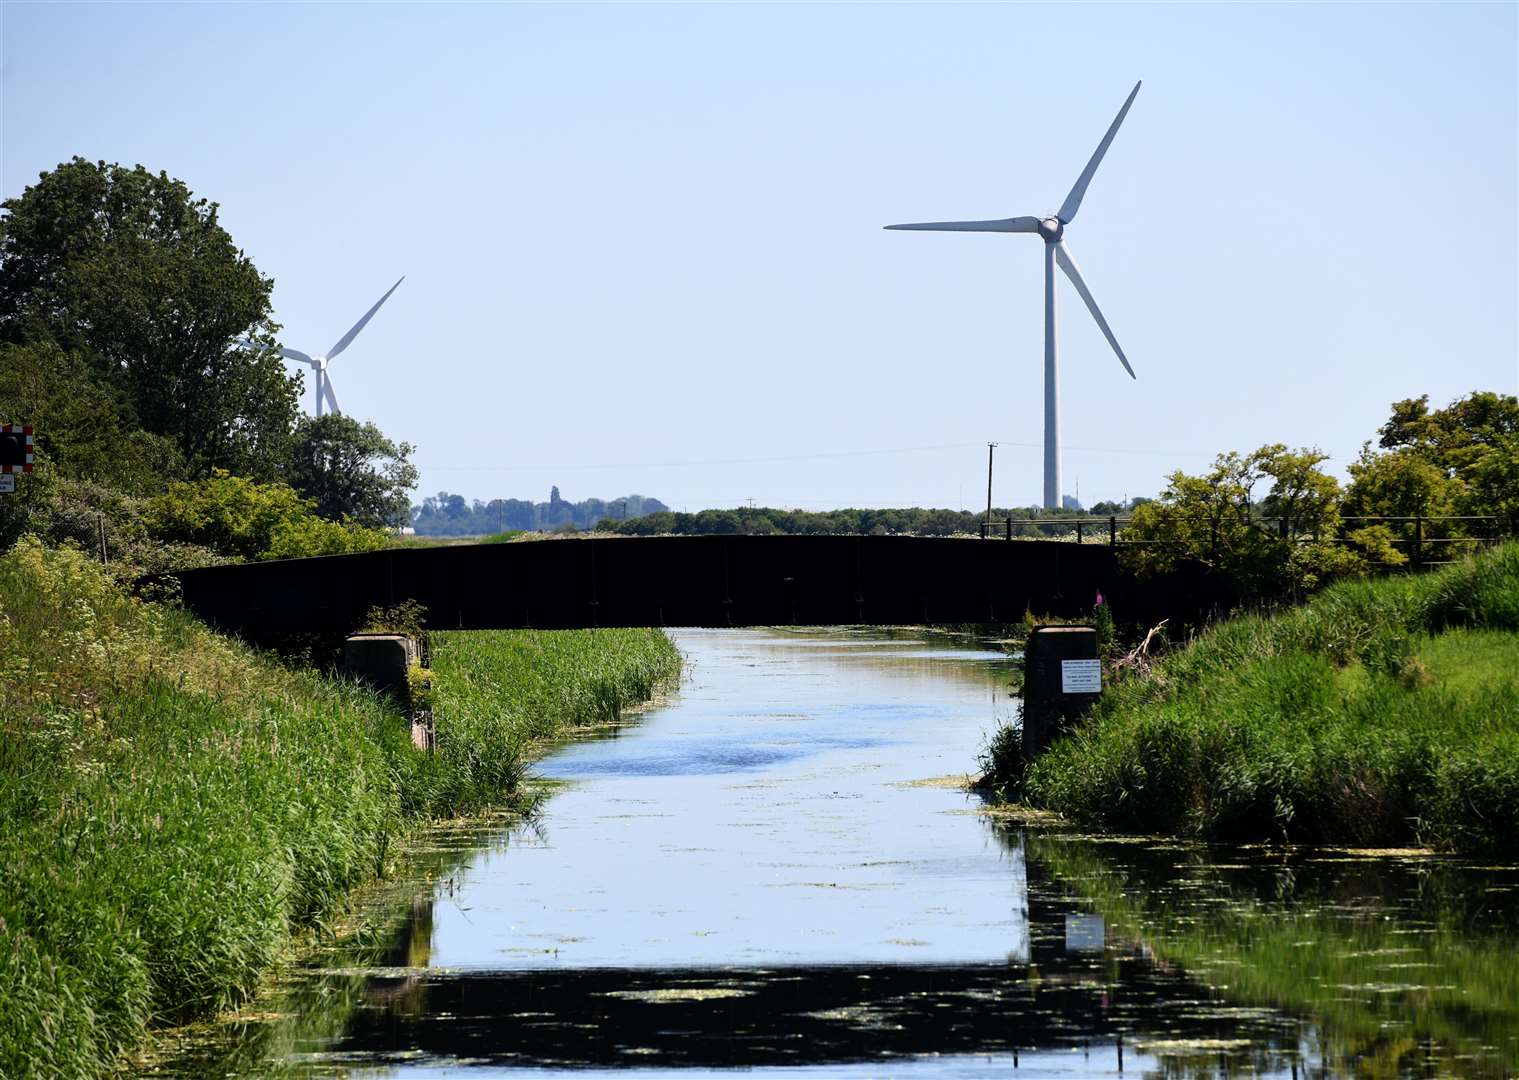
[{"x": 643, "y": 246}]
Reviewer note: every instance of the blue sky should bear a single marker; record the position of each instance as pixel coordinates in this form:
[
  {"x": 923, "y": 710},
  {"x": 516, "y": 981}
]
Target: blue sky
[{"x": 643, "y": 244}]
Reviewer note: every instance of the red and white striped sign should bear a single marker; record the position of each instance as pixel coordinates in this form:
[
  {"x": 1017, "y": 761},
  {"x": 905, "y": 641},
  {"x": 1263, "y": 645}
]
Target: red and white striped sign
[{"x": 25, "y": 431}]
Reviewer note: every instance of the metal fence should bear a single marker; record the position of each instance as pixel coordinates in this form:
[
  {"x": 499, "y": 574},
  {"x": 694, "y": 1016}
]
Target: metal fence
[{"x": 1426, "y": 540}]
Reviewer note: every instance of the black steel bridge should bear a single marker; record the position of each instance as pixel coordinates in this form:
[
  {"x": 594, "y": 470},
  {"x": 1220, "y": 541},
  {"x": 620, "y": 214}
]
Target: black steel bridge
[{"x": 707, "y": 581}]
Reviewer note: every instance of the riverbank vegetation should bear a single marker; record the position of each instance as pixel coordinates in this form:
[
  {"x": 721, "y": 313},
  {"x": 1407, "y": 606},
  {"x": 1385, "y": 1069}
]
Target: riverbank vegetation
[
  {"x": 176, "y": 805},
  {"x": 1380, "y": 712}
]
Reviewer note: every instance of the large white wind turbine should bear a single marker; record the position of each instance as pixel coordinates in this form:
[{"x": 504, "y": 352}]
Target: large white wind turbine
[
  {"x": 319, "y": 363},
  {"x": 1052, "y": 230}
]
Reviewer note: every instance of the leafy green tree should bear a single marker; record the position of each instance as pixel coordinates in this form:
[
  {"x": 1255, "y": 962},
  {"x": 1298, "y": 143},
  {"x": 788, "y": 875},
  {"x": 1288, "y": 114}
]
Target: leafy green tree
[
  {"x": 84, "y": 429},
  {"x": 1433, "y": 464},
  {"x": 1492, "y": 484},
  {"x": 130, "y": 269},
  {"x": 1397, "y": 485},
  {"x": 243, "y": 519},
  {"x": 352, "y": 470},
  {"x": 1456, "y": 436},
  {"x": 1280, "y": 545}
]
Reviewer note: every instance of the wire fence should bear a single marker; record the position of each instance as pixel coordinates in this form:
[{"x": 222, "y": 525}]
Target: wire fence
[{"x": 1425, "y": 540}]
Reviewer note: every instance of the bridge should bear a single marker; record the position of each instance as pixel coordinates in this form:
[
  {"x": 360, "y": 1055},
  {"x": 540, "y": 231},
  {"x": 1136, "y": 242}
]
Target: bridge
[{"x": 702, "y": 581}]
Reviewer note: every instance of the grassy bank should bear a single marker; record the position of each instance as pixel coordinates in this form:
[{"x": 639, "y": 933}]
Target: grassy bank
[
  {"x": 176, "y": 805},
  {"x": 1380, "y": 712}
]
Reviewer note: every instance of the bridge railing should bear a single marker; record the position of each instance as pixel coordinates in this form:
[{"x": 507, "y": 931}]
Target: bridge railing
[{"x": 1425, "y": 539}]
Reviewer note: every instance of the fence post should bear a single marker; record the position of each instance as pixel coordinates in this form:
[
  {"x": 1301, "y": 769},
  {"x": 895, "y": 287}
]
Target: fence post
[
  {"x": 1418, "y": 541},
  {"x": 1009, "y": 529},
  {"x": 1112, "y": 530},
  {"x": 1078, "y": 530}
]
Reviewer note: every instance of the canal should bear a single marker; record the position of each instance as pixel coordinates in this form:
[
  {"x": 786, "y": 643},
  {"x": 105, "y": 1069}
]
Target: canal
[{"x": 778, "y": 869}]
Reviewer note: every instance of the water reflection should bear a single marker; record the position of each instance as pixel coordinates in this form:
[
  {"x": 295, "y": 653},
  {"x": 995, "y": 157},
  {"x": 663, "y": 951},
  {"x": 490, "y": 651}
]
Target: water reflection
[
  {"x": 754, "y": 1017},
  {"x": 758, "y": 876},
  {"x": 1405, "y": 962}
]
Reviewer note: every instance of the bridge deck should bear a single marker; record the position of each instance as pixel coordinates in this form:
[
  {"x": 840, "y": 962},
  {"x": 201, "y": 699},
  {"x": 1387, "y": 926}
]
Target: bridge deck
[{"x": 661, "y": 581}]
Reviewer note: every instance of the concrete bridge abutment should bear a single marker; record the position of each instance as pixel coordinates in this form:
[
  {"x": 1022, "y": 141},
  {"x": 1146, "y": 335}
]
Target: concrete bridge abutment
[{"x": 388, "y": 664}]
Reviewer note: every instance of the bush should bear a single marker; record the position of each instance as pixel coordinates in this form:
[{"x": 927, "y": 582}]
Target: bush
[{"x": 237, "y": 517}]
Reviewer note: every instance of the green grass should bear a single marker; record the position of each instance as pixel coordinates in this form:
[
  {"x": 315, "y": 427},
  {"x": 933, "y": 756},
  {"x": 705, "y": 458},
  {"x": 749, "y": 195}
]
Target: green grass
[
  {"x": 1379, "y": 712},
  {"x": 175, "y": 805},
  {"x": 454, "y": 541}
]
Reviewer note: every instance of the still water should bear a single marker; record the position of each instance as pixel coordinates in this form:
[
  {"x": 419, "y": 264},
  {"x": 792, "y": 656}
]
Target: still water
[{"x": 778, "y": 871}]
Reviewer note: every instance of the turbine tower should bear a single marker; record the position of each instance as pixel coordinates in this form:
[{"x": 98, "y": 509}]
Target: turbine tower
[
  {"x": 1052, "y": 231},
  {"x": 319, "y": 363}
]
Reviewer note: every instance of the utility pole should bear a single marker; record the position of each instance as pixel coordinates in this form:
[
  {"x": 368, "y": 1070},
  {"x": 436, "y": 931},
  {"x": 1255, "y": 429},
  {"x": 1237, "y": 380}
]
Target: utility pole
[{"x": 991, "y": 448}]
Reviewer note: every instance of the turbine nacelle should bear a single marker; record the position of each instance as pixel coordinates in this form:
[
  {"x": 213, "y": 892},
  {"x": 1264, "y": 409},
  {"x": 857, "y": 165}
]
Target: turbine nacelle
[
  {"x": 318, "y": 364},
  {"x": 1051, "y": 230}
]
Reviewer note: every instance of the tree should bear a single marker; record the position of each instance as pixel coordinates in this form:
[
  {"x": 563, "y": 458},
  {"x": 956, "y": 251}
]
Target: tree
[
  {"x": 351, "y": 470},
  {"x": 131, "y": 270},
  {"x": 84, "y": 430},
  {"x": 1283, "y": 544},
  {"x": 1456, "y": 436},
  {"x": 1432, "y": 464},
  {"x": 237, "y": 517}
]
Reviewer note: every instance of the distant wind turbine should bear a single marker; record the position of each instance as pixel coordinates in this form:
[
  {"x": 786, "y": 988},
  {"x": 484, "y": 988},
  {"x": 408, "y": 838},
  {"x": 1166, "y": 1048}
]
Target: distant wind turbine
[
  {"x": 319, "y": 363},
  {"x": 1052, "y": 230}
]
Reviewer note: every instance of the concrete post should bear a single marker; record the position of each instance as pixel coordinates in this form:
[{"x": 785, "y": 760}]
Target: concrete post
[
  {"x": 1061, "y": 679},
  {"x": 381, "y": 661}
]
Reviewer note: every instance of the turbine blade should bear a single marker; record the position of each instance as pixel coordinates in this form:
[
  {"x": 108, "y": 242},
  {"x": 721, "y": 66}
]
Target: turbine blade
[
  {"x": 1013, "y": 224},
  {"x": 332, "y": 399},
  {"x": 288, "y": 354},
  {"x": 1068, "y": 264},
  {"x": 1073, "y": 200},
  {"x": 347, "y": 338}
]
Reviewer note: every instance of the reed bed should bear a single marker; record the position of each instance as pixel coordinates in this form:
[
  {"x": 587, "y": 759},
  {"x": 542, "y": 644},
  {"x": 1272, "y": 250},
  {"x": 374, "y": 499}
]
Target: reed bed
[
  {"x": 176, "y": 805},
  {"x": 1379, "y": 712}
]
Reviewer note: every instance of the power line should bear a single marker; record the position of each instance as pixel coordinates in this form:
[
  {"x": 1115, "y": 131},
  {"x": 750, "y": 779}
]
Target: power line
[
  {"x": 699, "y": 462},
  {"x": 704, "y": 461}
]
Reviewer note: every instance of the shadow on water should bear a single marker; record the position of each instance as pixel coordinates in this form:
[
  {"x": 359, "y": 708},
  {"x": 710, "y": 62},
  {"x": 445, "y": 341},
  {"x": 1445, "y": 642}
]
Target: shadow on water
[{"x": 893, "y": 931}]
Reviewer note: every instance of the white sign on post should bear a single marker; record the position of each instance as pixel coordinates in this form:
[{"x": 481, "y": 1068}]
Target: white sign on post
[
  {"x": 1081, "y": 676},
  {"x": 7, "y": 483}
]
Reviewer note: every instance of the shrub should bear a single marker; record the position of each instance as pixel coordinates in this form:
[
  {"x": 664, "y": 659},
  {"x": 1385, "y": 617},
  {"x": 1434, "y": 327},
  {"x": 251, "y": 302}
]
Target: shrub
[{"x": 235, "y": 516}]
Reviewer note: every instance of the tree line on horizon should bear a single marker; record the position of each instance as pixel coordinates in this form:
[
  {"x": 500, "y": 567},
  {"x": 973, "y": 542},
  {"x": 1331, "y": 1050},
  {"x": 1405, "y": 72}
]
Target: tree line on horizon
[
  {"x": 448, "y": 514},
  {"x": 899, "y": 521}
]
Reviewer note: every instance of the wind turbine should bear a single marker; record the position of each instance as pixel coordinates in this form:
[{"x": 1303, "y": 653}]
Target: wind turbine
[
  {"x": 319, "y": 363},
  {"x": 1052, "y": 231}
]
